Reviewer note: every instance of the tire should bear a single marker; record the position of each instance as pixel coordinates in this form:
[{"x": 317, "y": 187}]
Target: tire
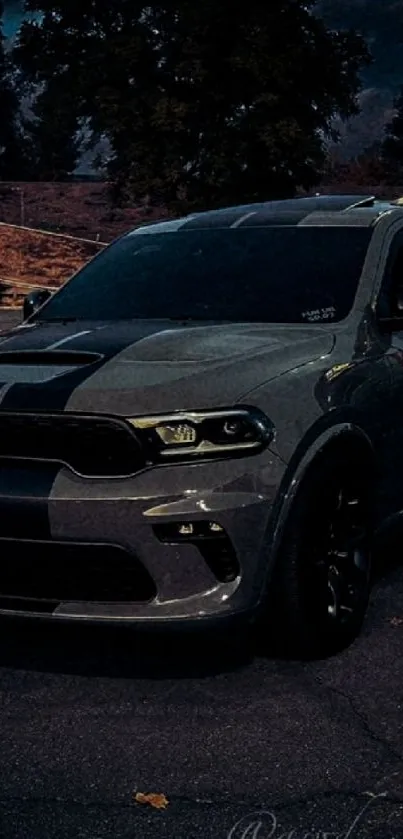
[{"x": 321, "y": 584}]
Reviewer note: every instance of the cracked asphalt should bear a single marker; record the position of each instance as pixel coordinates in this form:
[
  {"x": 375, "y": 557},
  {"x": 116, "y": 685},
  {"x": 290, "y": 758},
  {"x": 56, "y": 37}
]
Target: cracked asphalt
[{"x": 242, "y": 747}]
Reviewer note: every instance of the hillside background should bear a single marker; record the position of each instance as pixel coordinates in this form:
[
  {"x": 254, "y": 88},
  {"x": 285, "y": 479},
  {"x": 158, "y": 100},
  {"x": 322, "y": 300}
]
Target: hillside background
[{"x": 84, "y": 210}]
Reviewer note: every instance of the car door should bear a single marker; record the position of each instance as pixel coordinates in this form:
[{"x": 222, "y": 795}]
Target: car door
[{"x": 389, "y": 317}]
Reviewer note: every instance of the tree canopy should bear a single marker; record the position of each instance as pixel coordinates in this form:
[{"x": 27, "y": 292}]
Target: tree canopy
[
  {"x": 11, "y": 152},
  {"x": 205, "y": 102},
  {"x": 392, "y": 147},
  {"x": 52, "y": 134}
]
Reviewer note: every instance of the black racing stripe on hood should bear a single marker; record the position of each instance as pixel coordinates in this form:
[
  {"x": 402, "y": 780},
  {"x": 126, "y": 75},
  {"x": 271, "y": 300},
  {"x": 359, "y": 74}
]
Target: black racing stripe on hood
[
  {"x": 24, "y": 500},
  {"x": 106, "y": 339},
  {"x": 47, "y": 396},
  {"x": 50, "y": 396}
]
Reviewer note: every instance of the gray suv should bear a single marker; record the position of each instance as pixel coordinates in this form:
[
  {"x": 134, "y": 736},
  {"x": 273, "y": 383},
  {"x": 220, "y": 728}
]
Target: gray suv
[{"x": 204, "y": 424}]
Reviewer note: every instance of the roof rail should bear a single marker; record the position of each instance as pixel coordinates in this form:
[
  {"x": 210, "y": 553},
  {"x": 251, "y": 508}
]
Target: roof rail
[{"x": 362, "y": 202}]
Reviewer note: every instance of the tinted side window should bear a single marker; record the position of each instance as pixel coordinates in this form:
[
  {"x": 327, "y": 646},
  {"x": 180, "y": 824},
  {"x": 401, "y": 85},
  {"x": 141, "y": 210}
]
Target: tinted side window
[{"x": 393, "y": 279}]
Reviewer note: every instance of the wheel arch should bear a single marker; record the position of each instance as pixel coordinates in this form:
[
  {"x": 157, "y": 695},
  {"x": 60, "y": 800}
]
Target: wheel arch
[{"x": 345, "y": 438}]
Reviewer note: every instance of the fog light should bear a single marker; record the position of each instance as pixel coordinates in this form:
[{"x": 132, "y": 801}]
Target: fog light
[
  {"x": 186, "y": 529},
  {"x": 211, "y": 540}
]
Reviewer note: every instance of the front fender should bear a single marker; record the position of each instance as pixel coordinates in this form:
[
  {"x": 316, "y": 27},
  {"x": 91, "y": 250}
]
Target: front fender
[{"x": 297, "y": 470}]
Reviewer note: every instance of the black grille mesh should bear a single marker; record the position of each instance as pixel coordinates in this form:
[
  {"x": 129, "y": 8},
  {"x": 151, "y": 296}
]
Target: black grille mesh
[{"x": 91, "y": 446}]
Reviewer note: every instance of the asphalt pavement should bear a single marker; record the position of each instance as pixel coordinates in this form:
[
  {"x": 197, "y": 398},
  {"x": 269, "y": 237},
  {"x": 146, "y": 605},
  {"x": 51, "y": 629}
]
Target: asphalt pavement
[{"x": 242, "y": 747}]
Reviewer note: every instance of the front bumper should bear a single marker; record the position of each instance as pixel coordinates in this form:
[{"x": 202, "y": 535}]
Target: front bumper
[{"x": 91, "y": 549}]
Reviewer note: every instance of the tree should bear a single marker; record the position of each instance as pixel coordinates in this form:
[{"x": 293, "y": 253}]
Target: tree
[
  {"x": 392, "y": 147},
  {"x": 204, "y": 102},
  {"x": 53, "y": 134},
  {"x": 12, "y": 162}
]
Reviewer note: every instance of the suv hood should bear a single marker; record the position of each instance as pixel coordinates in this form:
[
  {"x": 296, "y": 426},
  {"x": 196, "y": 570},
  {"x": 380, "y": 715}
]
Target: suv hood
[{"x": 136, "y": 367}]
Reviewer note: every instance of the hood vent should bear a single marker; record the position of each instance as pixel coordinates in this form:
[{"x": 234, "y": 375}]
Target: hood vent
[
  {"x": 48, "y": 357},
  {"x": 40, "y": 366}
]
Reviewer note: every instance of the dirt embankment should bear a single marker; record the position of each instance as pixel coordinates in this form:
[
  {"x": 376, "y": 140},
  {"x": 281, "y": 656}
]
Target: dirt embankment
[
  {"x": 29, "y": 257},
  {"x": 78, "y": 209}
]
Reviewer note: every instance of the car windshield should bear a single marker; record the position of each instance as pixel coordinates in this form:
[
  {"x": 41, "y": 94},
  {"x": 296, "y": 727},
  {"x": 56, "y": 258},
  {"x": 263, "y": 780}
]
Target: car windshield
[{"x": 267, "y": 274}]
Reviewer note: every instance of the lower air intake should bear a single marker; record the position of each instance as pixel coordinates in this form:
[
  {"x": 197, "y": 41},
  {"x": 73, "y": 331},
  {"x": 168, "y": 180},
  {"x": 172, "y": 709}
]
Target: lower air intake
[{"x": 55, "y": 572}]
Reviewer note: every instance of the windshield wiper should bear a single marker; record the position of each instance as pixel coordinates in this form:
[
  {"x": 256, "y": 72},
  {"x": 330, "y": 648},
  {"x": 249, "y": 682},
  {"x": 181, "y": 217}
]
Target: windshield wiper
[
  {"x": 182, "y": 317},
  {"x": 58, "y": 320},
  {"x": 193, "y": 318}
]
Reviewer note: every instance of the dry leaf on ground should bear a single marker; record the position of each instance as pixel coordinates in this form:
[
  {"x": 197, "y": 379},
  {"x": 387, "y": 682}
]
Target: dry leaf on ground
[{"x": 154, "y": 799}]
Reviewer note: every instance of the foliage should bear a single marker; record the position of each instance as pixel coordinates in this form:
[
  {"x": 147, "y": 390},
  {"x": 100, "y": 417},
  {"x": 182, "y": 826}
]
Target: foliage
[
  {"x": 12, "y": 162},
  {"x": 52, "y": 133},
  {"x": 364, "y": 170},
  {"x": 206, "y": 103},
  {"x": 392, "y": 147}
]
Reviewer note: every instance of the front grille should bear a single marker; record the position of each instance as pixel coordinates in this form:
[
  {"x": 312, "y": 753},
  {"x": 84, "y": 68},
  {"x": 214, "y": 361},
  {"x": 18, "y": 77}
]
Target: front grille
[
  {"x": 52, "y": 572},
  {"x": 91, "y": 446}
]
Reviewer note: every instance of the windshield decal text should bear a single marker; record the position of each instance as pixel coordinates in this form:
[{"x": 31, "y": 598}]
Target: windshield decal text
[{"x": 313, "y": 315}]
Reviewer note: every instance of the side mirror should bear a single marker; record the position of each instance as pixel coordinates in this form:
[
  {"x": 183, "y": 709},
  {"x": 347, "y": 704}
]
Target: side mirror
[
  {"x": 34, "y": 300},
  {"x": 398, "y": 300}
]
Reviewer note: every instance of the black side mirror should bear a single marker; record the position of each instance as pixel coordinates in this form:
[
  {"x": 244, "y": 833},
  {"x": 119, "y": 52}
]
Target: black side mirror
[
  {"x": 34, "y": 300},
  {"x": 398, "y": 300}
]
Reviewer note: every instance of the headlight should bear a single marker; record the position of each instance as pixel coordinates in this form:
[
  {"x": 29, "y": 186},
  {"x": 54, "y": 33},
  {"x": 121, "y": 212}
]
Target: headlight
[{"x": 204, "y": 434}]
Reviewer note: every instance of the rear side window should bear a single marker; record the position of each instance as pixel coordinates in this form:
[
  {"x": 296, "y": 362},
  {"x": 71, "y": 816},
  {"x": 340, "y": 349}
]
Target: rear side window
[{"x": 393, "y": 278}]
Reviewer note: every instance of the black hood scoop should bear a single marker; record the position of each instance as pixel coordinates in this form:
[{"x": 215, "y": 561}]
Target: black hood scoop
[
  {"x": 37, "y": 366},
  {"x": 70, "y": 357}
]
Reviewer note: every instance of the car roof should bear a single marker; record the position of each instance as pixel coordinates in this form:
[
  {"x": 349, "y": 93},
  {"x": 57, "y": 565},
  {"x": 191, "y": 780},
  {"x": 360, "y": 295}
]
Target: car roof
[{"x": 316, "y": 210}]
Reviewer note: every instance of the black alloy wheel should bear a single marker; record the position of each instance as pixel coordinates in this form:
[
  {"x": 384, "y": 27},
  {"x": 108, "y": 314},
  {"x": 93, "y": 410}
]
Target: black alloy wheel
[{"x": 322, "y": 579}]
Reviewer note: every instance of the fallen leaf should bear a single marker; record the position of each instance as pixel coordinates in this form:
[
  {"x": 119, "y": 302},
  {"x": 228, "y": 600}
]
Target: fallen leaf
[
  {"x": 154, "y": 799},
  {"x": 396, "y": 621}
]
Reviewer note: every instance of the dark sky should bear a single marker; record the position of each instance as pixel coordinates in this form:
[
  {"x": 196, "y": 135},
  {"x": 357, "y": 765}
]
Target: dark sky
[
  {"x": 379, "y": 21},
  {"x": 12, "y": 15}
]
